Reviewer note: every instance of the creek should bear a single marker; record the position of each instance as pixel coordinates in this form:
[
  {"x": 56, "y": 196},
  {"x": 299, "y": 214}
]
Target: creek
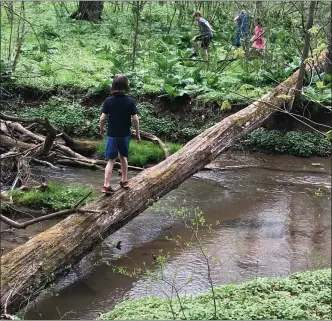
[{"x": 275, "y": 219}]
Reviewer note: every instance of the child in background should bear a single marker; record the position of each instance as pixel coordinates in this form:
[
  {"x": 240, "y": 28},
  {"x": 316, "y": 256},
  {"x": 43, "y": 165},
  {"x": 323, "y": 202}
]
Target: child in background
[
  {"x": 205, "y": 37},
  {"x": 242, "y": 26},
  {"x": 257, "y": 38}
]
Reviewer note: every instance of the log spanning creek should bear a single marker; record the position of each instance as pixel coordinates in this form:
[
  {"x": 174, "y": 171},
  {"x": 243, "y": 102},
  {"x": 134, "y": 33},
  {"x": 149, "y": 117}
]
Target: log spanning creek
[{"x": 274, "y": 219}]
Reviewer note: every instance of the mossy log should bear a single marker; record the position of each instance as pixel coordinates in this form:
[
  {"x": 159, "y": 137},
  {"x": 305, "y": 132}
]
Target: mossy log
[{"x": 29, "y": 267}]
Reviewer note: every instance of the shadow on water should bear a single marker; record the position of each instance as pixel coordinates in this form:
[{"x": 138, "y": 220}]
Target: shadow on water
[{"x": 271, "y": 224}]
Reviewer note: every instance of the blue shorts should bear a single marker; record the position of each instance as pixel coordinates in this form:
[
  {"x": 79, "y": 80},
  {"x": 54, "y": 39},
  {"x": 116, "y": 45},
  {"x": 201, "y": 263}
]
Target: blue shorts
[{"x": 115, "y": 145}]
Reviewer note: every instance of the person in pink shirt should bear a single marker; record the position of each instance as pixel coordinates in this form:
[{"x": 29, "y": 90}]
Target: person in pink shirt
[{"x": 257, "y": 38}]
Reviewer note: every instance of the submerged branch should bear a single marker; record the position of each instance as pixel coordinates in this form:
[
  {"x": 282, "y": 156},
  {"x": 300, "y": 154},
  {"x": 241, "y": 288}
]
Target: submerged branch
[{"x": 24, "y": 225}]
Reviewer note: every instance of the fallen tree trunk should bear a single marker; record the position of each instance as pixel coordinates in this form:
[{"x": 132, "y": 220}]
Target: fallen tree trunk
[
  {"x": 31, "y": 266},
  {"x": 6, "y": 141},
  {"x": 83, "y": 147}
]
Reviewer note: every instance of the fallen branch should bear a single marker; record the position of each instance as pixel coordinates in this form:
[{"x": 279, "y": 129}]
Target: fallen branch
[
  {"x": 78, "y": 163},
  {"x": 98, "y": 162},
  {"x": 38, "y": 161},
  {"x": 24, "y": 225},
  {"x": 27, "y": 133},
  {"x": 8, "y": 142},
  {"x": 79, "y": 146},
  {"x": 22, "y": 119},
  {"x": 82, "y": 200},
  {"x": 153, "y": 138},
  {"x": 10, "y": 154},
  {"x": 16, "y": 210},
  {"x": 212, "y": 167},
  {"x": 69, "y": 152}
]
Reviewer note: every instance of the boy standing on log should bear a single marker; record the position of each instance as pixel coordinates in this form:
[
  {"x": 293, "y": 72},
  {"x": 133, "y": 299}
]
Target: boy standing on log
[
  {"x": 205, "y": 37},
  {"x": 119, "y": 109}
]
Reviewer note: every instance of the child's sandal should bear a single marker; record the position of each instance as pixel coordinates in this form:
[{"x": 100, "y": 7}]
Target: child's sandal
[
  {"x": 107, "y": 190},
  {"x": 124, "y": 184}
]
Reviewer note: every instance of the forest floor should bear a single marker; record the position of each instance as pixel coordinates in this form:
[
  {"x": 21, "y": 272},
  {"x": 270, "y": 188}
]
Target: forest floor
[{"x": 65, "y": 69}]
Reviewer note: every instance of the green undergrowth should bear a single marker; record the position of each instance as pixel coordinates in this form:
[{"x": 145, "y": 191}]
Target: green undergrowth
[
  {"x": 302, "y": 296},
  {"x": 294, "y": 143},
  {"x": 173, "y": 126},
  {"x": 143, "y": 153},
  {"x": 65, "y": 55},
  {"x": 56, "y": 197},
  {"x": 77, "y": 120},
  {"x": 68, "y": 116}
]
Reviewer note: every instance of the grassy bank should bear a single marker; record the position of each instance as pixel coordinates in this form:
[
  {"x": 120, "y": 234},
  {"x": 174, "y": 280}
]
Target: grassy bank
[
  {"x": 143, "y": 153},
  {"x": 294, "y": 143},
  {"x": 304, "y": 295},
  {"x": 56, "y": 197}
]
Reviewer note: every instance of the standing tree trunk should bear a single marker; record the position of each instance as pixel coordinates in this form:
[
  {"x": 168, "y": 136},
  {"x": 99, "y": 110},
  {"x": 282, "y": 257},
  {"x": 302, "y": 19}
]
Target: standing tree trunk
[
  {"x": 137, "y": 11},
  {"x": 328, "y": 60},
  {"x": 299, "y": 83},
  {"x": 89, "y": 10}
]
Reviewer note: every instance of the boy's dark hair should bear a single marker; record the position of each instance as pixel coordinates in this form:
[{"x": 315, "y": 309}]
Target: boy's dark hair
[
  {"x": 197, "y": 14},
  {"x": 259, "y": 23},
  {"x": 120, "y": 84}
]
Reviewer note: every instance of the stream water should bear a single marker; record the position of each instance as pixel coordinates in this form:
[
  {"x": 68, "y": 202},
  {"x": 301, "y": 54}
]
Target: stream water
[{"x": 273, "y": 222}]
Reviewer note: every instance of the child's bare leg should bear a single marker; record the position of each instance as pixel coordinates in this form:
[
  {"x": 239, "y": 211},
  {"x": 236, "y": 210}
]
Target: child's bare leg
[
  {"x": 196, "y": 47},
  {"x": 205, "y": 54},
  {"x": 124, "y": 168},
  {"x": 108, "y": 172}
]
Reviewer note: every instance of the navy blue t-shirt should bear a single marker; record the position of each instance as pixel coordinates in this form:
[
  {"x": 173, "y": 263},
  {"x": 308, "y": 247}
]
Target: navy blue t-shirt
[
  {"x": 120, "y": 109},
  {"x": 205, "y": 29}
]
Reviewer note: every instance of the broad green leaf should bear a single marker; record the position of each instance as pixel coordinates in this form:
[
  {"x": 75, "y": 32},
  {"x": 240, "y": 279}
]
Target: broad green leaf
[
  {"x": 320, "y": 85},
  {"x": 329, "y": 135},
  {"x": 226, "y": 105},
  {"x": 313, "y": 30}
]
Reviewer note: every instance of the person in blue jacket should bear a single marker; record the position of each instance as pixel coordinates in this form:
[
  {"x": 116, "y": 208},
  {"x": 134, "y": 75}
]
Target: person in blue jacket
[{"x": 242, "y": 28}]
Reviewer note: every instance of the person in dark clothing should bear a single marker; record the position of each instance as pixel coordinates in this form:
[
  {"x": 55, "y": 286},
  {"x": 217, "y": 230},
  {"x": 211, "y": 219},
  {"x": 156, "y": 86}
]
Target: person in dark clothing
[
  {"x": 205, "y": 37},
  {"x": 119, "y": 109},
  {"x": 242, "y": 28}
]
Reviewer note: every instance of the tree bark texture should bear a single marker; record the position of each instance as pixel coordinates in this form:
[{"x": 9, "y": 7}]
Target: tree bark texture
[
  {"x": 306, "y": 48},
  {"x": 31, "y": 266},
  {"x": 328, "y": 61},
  {"x": 89, "y": 10}
]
